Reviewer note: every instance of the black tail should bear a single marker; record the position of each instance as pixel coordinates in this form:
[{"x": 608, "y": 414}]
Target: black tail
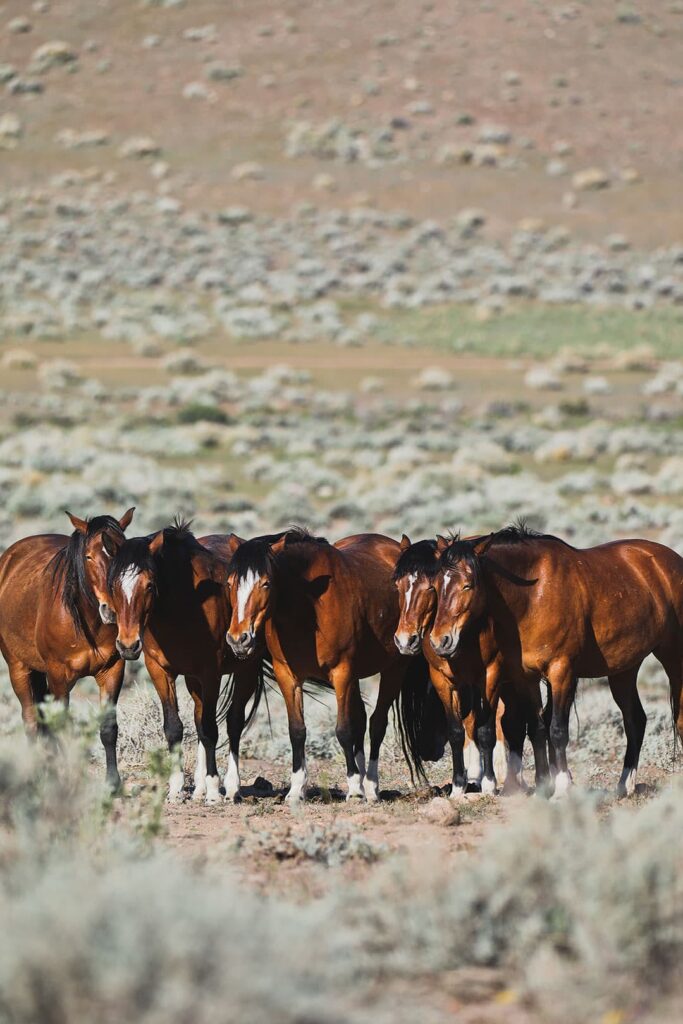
[
  {"x": 420, "y": 719},
  {"x": 226, "y": 696}
]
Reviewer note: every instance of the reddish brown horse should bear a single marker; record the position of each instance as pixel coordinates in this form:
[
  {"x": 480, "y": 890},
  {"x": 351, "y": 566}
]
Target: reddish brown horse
[
  {"x": 55, "y": 623},
  {"x": 328, "y": 613},
  {"x": 168, "y": 592},
  {"x": 469, "y": 683},
  {"x": 561, "y": 613}
]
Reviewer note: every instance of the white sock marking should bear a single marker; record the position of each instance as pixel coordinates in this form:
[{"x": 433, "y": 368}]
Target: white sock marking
[
  {"x": 500, "y": 762},
  {"x": 473, "y": 762},
  {"x": 488, "y": 786},
  {"x": 232, "y": 777},
  {"x": 213, "y": 795},
  {"x": 627, "y": 782},
  {"x": 371, "y": 784},
  {"x": 175, "y": 785},
  {"x": 298, "y": 784},
  {"x": 563, "y": 782}
]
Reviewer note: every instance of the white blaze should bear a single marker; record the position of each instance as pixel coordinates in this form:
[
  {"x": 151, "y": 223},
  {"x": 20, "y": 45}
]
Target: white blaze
[
  {"x": 128, "y": 579},
  {"x": 409, "y": 592},
  {"x": 244, "y": 589}
]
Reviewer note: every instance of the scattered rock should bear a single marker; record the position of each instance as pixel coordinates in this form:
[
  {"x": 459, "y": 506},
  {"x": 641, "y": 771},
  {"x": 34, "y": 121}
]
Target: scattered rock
[
  {"x": 590, "y": 180},
  {"x": 139, "y": 147},
  {"x": 441, "y": 811},
  {"x": 248, "y": 172},
  {"x": 18, "y": 26},
  {"x": 434, "y": 378},
  {"x": 542, "y": 378},
  {"x": 217, "y": 71},
  {"x": 52, "y": 54}
]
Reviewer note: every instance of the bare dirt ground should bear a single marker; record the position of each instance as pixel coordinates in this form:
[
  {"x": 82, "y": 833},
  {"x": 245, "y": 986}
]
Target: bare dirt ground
[{"x": 589, "y": 84}]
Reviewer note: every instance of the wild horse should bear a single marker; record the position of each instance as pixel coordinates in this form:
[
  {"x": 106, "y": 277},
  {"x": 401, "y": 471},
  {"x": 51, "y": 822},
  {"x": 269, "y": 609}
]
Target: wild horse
[
  {"x": 561, "y": 613},
  {"x": 328, "y": 614},
  {"x": 55, "y": 622},
  {"x": 168, "y": 593}
]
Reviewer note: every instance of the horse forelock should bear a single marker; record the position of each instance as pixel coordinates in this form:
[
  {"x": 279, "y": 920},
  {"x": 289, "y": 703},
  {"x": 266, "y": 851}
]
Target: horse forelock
[
  {"x": 420, "y": 559},
  {"x": 133, "y": 557},
  {"x": 461, "y": 552}
]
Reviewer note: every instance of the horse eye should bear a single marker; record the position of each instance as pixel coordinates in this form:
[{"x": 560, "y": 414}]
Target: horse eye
[
  {"x": 266, "y": 585},
  {"x": 467, "y": 586}
]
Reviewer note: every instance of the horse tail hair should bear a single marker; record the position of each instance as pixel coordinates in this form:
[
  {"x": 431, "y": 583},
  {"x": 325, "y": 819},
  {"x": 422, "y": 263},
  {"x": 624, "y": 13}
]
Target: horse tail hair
[
  {"x": 415, "y": 720},
  {"x": 264, "y": 678}
]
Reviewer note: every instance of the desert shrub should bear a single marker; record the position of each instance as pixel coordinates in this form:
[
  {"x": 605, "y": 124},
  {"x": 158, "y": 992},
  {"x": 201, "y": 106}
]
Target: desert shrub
[
  {"x": 198, "y": 413},
  {"x": 330, "y": 845}
]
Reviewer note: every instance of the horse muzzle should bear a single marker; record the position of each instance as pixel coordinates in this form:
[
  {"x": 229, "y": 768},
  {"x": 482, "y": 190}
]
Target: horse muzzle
[
  {"x": 242, "y": 646},
  {"x": 106, "y": 614},
  {"x": 130, "y": 652},
  {"x": 409, "y": 644},
  {"x": 446, "y": 645}
]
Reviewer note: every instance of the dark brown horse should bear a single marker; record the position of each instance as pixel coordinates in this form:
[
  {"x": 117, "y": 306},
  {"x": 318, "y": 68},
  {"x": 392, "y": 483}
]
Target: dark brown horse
[
  {"x": 168, "y": 593},
  {"x": 561, "y": 613},
  {"x": 328, "y": 613},
  {"x": 469, "y": 683},
  {"x": 55, "y": 623}
]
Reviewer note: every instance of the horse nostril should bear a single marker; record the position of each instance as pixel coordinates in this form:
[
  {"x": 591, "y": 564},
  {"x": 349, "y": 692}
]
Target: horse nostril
[
  {"x": 244, "y": 638},
  {"x": 412, "y": 639}
]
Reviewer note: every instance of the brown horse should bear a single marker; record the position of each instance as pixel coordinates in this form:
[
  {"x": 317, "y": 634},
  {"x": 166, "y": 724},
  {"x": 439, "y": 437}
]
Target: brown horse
[
  {"x": 168, "y": 592},
  {"x": 560, "y": 613},
  {"x": 469, "y": 684},
  {"x": 55, "y": 623},
  {"x": 328, "y": 613}
]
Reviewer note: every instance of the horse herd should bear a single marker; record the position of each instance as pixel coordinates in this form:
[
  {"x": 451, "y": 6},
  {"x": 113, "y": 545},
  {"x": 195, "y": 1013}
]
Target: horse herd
[{"x": 461, "y": 632}]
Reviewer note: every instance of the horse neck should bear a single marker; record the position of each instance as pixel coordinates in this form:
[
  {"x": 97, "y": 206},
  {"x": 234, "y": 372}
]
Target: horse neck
[{"x": 505, "y": 594}]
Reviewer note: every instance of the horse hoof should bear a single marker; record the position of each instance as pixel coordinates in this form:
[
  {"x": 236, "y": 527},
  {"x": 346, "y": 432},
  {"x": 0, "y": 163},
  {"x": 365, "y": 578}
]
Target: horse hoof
[
  {"x": 233, "y": 798},
  {"x": 176, "y": 785},
  {"x": 198, "y": 793},
  {"x": 457, "y": 793},
  {"x": 372, "y": 796},
  {"x": 488, "y": 787},
  {"x": 355, "y": 797}
]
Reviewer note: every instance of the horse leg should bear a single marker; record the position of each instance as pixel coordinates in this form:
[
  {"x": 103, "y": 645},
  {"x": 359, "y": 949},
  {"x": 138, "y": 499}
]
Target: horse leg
[
  {"x": 204, "y": 696},
  {"x": 472, "y": 754},
  {"x": 563, "y": 686},
  {"x": 22, "y": 680},
  {"x": 514, "y": 726},
  {"x": 538, "y": 734},
  {"x": 547, "y": 719},
  {"x": 389, "y": 688},
  {"x": 110, "y": 682},
  {"x": 485, "y": 717},
  {"x": 164, "y": 684},
  {"x": 293, "y": 694},
  {"x": 246, "y": 681},
  {"x": 351, "y": 721},
  {"x": 450, "y": 698},
  {"x": 625, "y": 692},
  {"x": 500, "y": 751}
]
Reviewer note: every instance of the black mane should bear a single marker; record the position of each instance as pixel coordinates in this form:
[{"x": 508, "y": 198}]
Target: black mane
[
  {"x": 420, "y": 558},
  {"x": 255, "y": 555},
  {"x": 68, "y": 572}
]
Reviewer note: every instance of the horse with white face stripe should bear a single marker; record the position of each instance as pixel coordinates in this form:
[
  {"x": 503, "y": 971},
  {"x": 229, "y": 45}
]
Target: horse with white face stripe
[
  {"x": 168, "y": 593},
  {"x": 326, "y": 613}
]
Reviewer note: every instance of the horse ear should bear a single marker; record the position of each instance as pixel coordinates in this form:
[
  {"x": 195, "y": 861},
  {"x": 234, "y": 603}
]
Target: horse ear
[
  {"x": 78, "y": 524},
  {"x": 233, "y": 542},
  {"x": 156, "y": 543},
  {"x": 405, "y": 542},
  {"x": 441, "y": 544},
  {"x": 483, "y": 545},
  {"x": 277, "y": 547},
  {"x": 125, "y": 520}
]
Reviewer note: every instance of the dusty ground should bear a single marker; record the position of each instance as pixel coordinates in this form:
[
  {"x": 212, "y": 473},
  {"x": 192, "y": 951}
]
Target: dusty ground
[{"x": 600, "y": 82}]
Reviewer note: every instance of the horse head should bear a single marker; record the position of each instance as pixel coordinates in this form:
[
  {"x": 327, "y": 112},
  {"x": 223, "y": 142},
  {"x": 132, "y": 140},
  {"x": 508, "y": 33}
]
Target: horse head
[
  {"x": 97, "y": 540},
  {"x": 414, "y": 578},
  {"x": 460, "y": 591},
  {"x": 132, "y": 585},
  {"x": 251, "y": 587}
]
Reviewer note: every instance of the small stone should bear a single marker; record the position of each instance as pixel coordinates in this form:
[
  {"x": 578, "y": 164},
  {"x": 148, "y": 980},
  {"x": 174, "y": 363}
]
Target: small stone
[
  {"x": 590, "y": 179},
  {"x": 325, "y": 183},
  {"x": 248, "y": 172},
  {"x": 556, "y": 168},
  {"x": 19, "y": 26},
  {"x": 617, "y": 243},
  {"x": 234, "y": 215},
  {"x": 470, "y": 220},
  {"x": 11, "y": 126},
  {"x": 630, "y": 176},
  {"x": 7, "y": 73},
  {"x": 494, "y": 133},
  {"x": 139, "y": 147},
  {"x": 199, "y": 91},
  {"x": 51, "y": 55},
  {"x": 441, "y": 811},
  {"x": 434, "y": 378},
  {"x": 597, "y": 386},
  {"x": 149, "y": 42},
  {"x": 19, "y": 359},
  {"x": 542, "y": 378},
  {"x": 220, "y": 72}
]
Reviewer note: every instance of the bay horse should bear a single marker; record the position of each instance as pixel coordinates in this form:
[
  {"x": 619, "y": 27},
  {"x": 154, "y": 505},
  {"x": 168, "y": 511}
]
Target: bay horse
[
  {"x": 168, "y": 593},
  {"x": 561, "y": 613},
  {"x": 327, "y": 613},
  {"x": 469, "y": 684},
  {"x": 56, "y": 624}
]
